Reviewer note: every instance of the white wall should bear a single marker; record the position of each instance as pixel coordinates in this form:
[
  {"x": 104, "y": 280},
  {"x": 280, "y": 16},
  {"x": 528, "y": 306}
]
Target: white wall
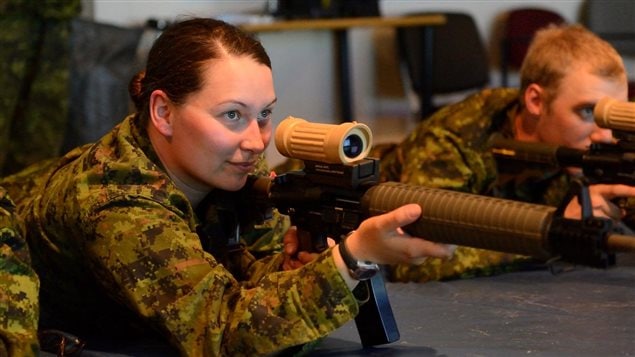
[{"x": 303, "y": 65}]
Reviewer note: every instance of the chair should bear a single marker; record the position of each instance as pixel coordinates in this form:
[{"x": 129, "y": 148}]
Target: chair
[
  {"x": 103, "y": 60},
  {"x": 454, "y": 51},
  {"x": 518, "y": 30}
]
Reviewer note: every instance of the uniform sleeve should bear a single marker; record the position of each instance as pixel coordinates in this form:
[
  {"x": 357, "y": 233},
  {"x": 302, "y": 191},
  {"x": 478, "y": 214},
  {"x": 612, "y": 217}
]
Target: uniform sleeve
[
  {"x": 437, "y": 157},
  {"x": 449, "y": 149},
  {"x": 19, "y": 285},
  {"x": 19, "y": 306},
  {"x": 148, "y": 256}
]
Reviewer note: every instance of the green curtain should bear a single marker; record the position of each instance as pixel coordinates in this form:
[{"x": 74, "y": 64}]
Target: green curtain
[{"x": 34, "y": 67}]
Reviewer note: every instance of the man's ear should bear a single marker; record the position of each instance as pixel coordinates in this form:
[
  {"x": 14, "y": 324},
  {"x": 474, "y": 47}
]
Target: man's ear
[
  {"x": 534, "y": 99},
  {"x": 161, "y": 113},
  {"x": 527, "y": 123}
]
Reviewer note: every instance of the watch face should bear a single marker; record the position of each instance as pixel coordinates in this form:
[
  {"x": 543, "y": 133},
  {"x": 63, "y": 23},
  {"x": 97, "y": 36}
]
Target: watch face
[
  {"x": 364, "y": 271},
  {"x": 363, "y": 274}
]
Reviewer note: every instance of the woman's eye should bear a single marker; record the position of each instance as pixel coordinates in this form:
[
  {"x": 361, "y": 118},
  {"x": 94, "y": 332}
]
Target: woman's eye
[
  {"x": 264, "y": 118},
  {"x": 232, "y": 115},
  {"x": 264, "y": 115}
]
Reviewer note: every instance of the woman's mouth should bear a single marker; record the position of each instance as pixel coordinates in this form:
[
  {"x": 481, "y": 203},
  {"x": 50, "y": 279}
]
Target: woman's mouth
[{"x": 244, "y": 167}]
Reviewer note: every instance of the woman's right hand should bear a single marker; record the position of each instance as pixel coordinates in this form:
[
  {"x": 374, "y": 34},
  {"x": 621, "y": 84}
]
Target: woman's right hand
[{"x": 381, "y": 240}]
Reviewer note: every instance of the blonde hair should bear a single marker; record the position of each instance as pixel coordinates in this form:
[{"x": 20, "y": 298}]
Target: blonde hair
[{"x": 557, "y": 49}]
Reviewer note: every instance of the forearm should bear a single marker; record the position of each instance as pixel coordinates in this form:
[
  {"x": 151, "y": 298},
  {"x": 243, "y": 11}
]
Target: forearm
[
  {"x": 282, "y": 310},
  {"x": 290, "y": 308}
]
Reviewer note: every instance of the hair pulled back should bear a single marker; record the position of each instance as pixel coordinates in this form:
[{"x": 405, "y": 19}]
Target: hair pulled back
[{"x": 176, "y": 59}]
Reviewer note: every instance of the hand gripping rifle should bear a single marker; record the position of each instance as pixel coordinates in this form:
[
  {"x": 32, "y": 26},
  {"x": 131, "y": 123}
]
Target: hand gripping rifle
[{"x": 338, "y": 188}]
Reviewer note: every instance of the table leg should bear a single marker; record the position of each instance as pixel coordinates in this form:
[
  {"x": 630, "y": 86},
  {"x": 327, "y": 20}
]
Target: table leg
[
  {"x": 343, "y": 76},
  {"x": 427, "y": 72}
]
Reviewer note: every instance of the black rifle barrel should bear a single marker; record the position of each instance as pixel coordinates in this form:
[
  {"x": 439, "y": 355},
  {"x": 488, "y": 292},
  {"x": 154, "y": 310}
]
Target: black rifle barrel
[{"x": 536, "y": 153}]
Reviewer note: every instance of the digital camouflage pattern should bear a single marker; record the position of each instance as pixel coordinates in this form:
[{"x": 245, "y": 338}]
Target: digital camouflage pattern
[
  {"x": 18, "y": 288},
  {"x": 34, "y": 88},
  {"x": 116, "y": 247},
  {"x": 448, "y": 150}
]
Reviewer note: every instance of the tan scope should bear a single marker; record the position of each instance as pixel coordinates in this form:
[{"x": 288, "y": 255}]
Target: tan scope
[
  {"x": 614, "y": 114},
  {"x": 330, "y": 143}
]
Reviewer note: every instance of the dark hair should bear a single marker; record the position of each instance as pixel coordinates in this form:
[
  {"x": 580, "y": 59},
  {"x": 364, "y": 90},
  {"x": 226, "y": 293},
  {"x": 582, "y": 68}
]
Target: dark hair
[{"x": 175, "y": 61}]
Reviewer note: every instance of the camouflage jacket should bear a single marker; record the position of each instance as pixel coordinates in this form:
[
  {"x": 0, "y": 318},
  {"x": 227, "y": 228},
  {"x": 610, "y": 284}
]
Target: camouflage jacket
[
  {"x": 18, "y": 288},
  {"x": 116, "y": 245},
  {"x": 449, "y": 150}
]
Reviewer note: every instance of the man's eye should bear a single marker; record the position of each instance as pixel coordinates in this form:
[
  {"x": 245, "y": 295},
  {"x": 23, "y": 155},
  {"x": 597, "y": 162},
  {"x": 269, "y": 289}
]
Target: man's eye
[
  {"x": 587, "y": 113},
  {"x": 232, "y": 115}
]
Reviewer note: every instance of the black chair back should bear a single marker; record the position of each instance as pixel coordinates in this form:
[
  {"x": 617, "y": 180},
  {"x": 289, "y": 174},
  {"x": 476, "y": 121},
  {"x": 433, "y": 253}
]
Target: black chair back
[
  {"x": 457, "y": 53},
  {"x": 519, "y": 28}
]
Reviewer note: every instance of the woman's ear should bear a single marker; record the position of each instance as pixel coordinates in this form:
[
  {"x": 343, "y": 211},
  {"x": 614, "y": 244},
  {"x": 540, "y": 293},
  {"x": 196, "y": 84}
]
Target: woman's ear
[
  {"x": 161, "y": 113},
  {"x": 534, "y": 99}
]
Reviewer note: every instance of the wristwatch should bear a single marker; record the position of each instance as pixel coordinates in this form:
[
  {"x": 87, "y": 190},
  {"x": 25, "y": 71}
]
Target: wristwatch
[{"x": 358, "y": 270}]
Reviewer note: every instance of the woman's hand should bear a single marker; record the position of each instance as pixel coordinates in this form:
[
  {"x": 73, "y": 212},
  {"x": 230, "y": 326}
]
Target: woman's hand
[
  {"x": 380, "y": 239},
  {"x": 292, "y": 258}
]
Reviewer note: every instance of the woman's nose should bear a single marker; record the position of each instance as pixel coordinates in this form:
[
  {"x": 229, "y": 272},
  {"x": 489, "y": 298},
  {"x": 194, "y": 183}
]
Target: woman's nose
[{"x": 253, "y": 139}]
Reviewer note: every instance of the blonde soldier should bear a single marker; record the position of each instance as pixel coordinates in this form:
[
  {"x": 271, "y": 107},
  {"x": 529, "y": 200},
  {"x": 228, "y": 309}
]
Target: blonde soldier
[
  {"x": 114, "y": 232},
  {"x": 19, "y": 285},
  {"x": 566, "y": 71}
]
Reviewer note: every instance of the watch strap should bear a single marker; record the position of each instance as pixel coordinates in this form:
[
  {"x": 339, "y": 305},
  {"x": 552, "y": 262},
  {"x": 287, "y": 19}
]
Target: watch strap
[
  {"x": 358, "y": 270},
  {"x": 351, "y": 263}
]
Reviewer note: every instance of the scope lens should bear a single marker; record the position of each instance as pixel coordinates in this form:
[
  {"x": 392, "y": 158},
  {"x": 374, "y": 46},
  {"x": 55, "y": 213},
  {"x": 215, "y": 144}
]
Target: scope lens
[{"x": 353, "y": 146}]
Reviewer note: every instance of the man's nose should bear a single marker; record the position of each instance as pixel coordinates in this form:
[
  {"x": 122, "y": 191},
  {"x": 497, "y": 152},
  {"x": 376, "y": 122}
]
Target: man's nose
[{"x": 602, "y": 135}]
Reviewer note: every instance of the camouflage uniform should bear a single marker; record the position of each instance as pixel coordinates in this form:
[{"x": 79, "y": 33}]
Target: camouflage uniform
[
  {"x": 116, "y": 245},
  {"x": 449, "y": 151},
  {"x": 18, "y": 289}
]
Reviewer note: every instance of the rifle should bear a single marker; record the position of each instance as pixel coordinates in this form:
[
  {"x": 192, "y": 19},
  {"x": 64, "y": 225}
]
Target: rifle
[{"x": 339, "y": 187}]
